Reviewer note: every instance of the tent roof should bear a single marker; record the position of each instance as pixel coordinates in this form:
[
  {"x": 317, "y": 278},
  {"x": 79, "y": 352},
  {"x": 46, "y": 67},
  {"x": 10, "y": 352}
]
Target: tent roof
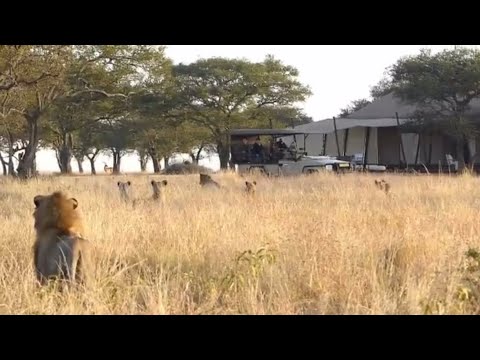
[
  {"x": 386, "y": 107},
  {"x": 326, "y": 126},
  {"x": 380, "y": 113}
]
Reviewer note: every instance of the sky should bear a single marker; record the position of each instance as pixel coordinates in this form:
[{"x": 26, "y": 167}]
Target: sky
[{"x": 336, "y": 74}]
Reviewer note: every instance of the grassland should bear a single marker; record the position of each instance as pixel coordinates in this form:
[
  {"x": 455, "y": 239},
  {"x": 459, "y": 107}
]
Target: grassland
[{"x": 320, "y": 244}]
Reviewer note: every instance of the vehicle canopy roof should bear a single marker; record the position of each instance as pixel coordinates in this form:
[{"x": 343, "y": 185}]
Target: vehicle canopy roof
[{"x": 260, "y": 132}]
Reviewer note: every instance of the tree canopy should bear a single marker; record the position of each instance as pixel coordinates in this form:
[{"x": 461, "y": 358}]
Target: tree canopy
[
  {"x": 220, "y": 93},
  {"x": 81, "y": 100},
  {"x": 354, "y": 106}
]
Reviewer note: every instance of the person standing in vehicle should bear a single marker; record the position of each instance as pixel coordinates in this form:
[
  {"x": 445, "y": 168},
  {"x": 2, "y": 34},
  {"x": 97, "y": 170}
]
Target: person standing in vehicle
[
  {"x": 245, "y": 151},
  {"x": 258, "y": 150}
]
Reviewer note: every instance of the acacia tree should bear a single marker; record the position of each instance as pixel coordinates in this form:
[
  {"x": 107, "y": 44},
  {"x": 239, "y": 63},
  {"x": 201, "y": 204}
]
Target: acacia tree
[
  {"x": 104, "y": 77},
  {"x": 70, "y": 115},
  {"x": 159, "y": 117},
  {"x": 47, "y": 64},
  {"x": 29, "y": 79},
  {"x": 12, "y": 140},
  {"x": 276, "y": 116},
  {"x": 195, "y": 141},
  {"x": 41, "y": 75},
  {"x": 354, "y": 106},
  {"x": 119, "y": 139},
  {"x": 442, "y": 85},
  {"x": 88, "y": 143},
  {"x": 156, "y": 143},
  {"x": 156, "y": 134},
  {"x": 219, "y": 91},
  {"x": 382, "y": 88}
]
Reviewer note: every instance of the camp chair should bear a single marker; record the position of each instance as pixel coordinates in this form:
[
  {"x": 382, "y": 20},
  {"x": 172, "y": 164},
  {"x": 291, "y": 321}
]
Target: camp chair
[
  {"x": 357, "y": 160},
  {"x": 451, "y": 161}
]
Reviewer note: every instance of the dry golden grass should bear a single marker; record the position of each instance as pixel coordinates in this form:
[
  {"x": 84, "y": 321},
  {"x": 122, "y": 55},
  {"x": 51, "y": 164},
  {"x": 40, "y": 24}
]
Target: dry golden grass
[{"x": 321, "y": 244}]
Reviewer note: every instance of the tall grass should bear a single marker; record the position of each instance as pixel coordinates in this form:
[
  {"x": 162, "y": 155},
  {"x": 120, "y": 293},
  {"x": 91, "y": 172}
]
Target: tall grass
[{"x": 321, "y": 244}]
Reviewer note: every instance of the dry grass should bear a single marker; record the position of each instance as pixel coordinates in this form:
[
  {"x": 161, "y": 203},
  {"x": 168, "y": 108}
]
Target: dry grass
[{"x": 309, "y": 245}]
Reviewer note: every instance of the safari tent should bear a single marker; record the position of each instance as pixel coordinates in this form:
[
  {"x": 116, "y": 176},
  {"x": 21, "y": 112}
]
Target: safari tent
[{"x": 376, "y": 133}]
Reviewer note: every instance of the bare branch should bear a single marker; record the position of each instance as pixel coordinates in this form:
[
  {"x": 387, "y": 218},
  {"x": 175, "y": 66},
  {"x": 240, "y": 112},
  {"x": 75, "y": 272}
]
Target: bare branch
[
  {"x": 102, "y": 92},
  {"x": 34, "y": 81},
  {"x": 8, "y": 86}
]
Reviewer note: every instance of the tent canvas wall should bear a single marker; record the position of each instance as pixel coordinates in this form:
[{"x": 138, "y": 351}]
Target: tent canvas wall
[{"x": 314, "y": 143}]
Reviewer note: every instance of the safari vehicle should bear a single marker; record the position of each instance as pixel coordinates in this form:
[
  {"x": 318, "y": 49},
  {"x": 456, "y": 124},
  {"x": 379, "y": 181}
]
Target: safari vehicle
[{"x": 264, "y": 150}]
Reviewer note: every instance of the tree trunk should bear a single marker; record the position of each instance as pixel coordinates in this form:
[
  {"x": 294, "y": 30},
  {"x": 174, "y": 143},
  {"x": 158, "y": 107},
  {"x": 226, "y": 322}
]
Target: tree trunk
[
  {"x": 196, "y": 158},
  {"x": 11, "y": 154},
  {"x": 223, "y": 154},
  {"x": 466, "y": 151},
  {"x": 460, "y": 154},
  {"x": 166, "y": 160},
  {"x": 65, "y": 159},
  {"x": 156, "y": 165},
  {"x": 4, "y": 165},
  {"x": 11, "y": 165},
  {"x": 80, "y": 164},
  {"x": 117, "y": 158},
  {"x": 154, "y": 156},
  {"x": 57, "y": 155},
  {"x": 26, "y": 167},
  {"x": 143, "y": 158},
  {"x": 143, "y": 164},
  {"x": 66, "y": 154},
  {"x": 92, "y": 165},
  {"x": 91, "y": 158}
]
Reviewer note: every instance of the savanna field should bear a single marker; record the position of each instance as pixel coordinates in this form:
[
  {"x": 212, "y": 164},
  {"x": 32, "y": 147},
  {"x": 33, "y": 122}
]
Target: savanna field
[{"x": 319, "y": 244}]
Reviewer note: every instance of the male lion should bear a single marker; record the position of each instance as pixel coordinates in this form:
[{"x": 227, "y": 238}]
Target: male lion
[{"x": 59, "y": 251}]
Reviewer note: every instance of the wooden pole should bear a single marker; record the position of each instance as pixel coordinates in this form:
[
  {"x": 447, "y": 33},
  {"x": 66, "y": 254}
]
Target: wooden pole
[
  {"x": 345, "y": 142},
  {"x": 365, "y": 150},
  {"x": 336, "y": 135},
  {"x": 424, "y": 148},
  {"x": 430, "y": 148},
  {"x": 401, "y": 141},
  {"x": 418, "y": 149},
  {"x": 324, "y": 144}
]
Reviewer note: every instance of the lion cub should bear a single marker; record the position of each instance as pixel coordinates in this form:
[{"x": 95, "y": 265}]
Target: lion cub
[
  {"x": 158, "y": 189},
  {"x": 206, "y": 180},
  {"x": 250, "y": 187},
  {"x": 124, "y": 188},
  {"x": 382, "y": 185},
  {"x": 59, "y": 252}
]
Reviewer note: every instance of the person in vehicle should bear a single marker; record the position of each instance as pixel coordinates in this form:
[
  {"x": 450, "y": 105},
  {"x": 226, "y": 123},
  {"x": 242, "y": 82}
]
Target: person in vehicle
[
  {"x": 292, "y": 149},
  {"x": 257, "y": 150},
  {"x": 244, "y": 150},
  {"x": 281, "y": 144}
]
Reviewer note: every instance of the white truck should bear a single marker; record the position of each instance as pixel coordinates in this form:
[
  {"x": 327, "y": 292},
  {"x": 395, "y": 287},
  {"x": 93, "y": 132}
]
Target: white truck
[{"x": 270, "y": 155}]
